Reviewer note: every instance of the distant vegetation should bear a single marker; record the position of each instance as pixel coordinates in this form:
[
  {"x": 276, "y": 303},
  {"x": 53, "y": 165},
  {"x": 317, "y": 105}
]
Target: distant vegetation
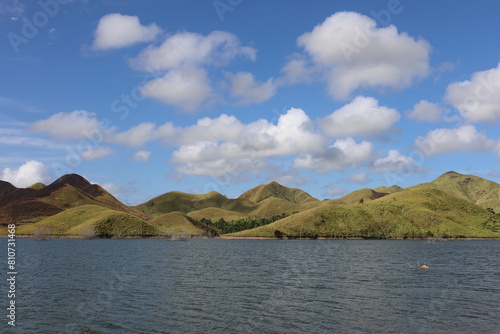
[
  {"x": 223, "y": 227},
  {"x": 452, "y": 206}
]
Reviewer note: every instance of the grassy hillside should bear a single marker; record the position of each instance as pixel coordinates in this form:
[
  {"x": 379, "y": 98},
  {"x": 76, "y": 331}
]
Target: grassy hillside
[
  {"x": 90, "y": 220},
  {"x": 37, "y": 186},
  {"x": 216, "y": 214},
  {"x": 424, "y": 212},
  {"x": 183, "y": 202},
  {"x": 274, "y": 189},
  {"x": 484, "y": 193},
  {"x": 388, "y": 190},
  {"x": 362, "y": 195},
  {"x": 175, "y": 223}
]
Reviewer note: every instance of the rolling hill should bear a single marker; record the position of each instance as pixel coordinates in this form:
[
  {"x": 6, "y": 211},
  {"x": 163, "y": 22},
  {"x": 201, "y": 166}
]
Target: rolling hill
[
  {"x": 416, "y": 213},
  {"x": 482, "y": 192},
  {"x": 453, "y": 205},
  {"x": 24, "y": 205},
  {"x": 89, "y": 221},
  {"x": 276, "y": 190}
]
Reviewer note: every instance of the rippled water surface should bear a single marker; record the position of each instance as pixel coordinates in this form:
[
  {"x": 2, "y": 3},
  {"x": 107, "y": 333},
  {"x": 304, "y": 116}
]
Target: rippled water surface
[{"x": 257, "y": 286}]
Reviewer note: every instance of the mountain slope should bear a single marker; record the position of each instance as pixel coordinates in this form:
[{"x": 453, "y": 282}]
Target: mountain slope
[
  {"x": 274, "y": 189},
  {"x": 182, "y": 202},
  {"x": 482, "y": 192},
  {"x": 90, "y": 220},
  {"x": 175, "y": 223},
  {"x": 422, "y": 212},
  {"x": 19, "y": 205},
  {"x": 363, "y": 195}
]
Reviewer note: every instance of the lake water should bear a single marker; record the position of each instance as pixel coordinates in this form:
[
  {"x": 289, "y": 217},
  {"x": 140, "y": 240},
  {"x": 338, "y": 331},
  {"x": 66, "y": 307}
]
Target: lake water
[{"x": 255, "y": 286}]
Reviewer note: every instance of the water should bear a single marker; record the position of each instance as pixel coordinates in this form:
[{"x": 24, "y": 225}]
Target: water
[{"x": 256, "y": 286}]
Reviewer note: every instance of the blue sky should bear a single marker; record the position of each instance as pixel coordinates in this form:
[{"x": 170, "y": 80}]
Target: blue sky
[{"x": 146, "y": 97}]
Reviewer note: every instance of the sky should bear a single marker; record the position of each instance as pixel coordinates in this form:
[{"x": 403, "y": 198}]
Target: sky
[{"x": 146, "y": 97}]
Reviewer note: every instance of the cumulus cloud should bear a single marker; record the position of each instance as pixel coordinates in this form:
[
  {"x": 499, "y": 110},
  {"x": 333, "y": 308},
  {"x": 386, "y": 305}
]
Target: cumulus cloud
[
  {"x": 185, "y": 88},
  {"x": 351, "y": 52},
  {"x": 186, "y": 48},
  {"x": 74, "y": 125},
  {"x": 334, "y": 191},
  {"x": 97, "y": 153},
  {"x": 425, "y": 111},
  {"x": 393, "y": 162},
  {"x": 342, "y": 155},
  {"x": 363, "y": 116},
  {"x": 116, "y": 31},
  {"x": 441, "y": 141},
  {"x": 184, "y": 58},
  {"x": 143, "y": 156},
  {"x": 477, "y": 99},
  {"x": 28, "y": 174},
  {"x": 134, "y": 137},
  {"x": 222, "y": 167},
  {"x": 293, "y": 134},
  {"x": 360, "y": 177},
  {"x": 247, "y": 90}
]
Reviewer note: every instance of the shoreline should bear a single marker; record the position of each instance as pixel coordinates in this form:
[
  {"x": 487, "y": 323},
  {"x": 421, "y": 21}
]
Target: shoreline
[{"x": 228, "y": 237}]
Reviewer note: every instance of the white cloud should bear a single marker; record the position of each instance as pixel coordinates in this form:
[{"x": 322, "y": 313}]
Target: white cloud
[
  {"x": 477, "y": 99},
  {"x": 136, "y": 136},
  {"x": 394, "y": 162},
  {"x": 465, "y": 138},
  {"x": 143, "y": 156},
  {"x": 223, "y": 167},
  {"x": 77, "y": 124},
  {"x": 185, "y": 88},
  {"x": 28, "y": 174},
  {"x": 352, "y": 52},
  {"x": 363, "y": 116},
  {"x": 186, "y": 48},
  {"x": 247, "y": 90},
  {"x": 293, "y": 134},
  {"x": 342, "y": 155},
  {"x": 425, "y": 111},
  {"x": 360, "y": 177},
  {"x": 184, "y": 58},
  {"x": 297, "y": 70},
  {"x": 97, "y": 153},
  {"x": 334, "y": 191},
  {"x": 116, "y": 31}
]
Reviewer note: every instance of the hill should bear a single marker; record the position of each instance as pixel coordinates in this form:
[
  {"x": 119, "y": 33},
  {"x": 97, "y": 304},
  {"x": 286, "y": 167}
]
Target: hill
[
  {"x": 475, "y": 189},
  {"x": 263, "y": 200},
  {"x": 362, "y": 195},
  {"x": 423, "y": 212},
  {"x": 182, "y": 202},
  {"x": 89, "y": 221},
  {"x": 274, "y": 189},
  {"x": 176, "y": 223},
  {"x": 388, "y": 190},
  {"x": 19, "y": 205}
]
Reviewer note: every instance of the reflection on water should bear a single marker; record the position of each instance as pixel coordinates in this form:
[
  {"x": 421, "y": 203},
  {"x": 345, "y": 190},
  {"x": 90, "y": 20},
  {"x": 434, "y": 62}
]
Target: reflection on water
[{"x": 257, "y": 286}]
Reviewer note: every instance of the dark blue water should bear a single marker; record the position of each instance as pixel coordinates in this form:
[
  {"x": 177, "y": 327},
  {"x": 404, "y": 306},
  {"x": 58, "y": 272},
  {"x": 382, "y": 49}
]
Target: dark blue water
[{"x": 256, "y": 286}]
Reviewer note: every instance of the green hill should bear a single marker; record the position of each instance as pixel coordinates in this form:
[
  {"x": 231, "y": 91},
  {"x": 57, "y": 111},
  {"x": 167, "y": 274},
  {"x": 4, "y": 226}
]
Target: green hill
[
  {"x": 182, "y": 202},
  {"x": 174, "y": 224},
  {"x": 362, "y": 195},
  {"x": 482, "y": 192},
  {"x": 274, "y": 189},
  {"x": 90, "y": 220},
  {"x": 423, "y": 212},
  {"x": 216, "y": 214},
  {"x": 37, "y": 186},
  {"x": 388, "y": 190}
]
